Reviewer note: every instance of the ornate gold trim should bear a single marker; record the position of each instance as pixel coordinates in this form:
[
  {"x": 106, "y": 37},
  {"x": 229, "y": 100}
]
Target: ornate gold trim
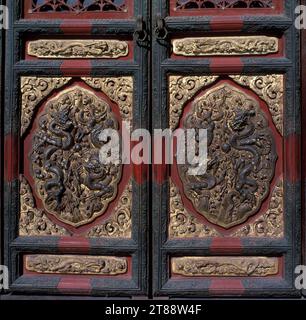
[
  {"x": 69, "y": 264},
  {"x": 78, "y": 49},
  {"x": 182, "y": 223},
  {"x": 181, "y": 89},
  {"x": 33, "y": 91},
  {"x": 271, "y": 223},
  {"x": 34, "y": 222},
  {"x": 225, "y": 46},
  {"x": 269, "y": 88},
  {"x": 120, "y": 223},
  {"x": 225, "y": 266},
  {"x": 119, "y": 89}
]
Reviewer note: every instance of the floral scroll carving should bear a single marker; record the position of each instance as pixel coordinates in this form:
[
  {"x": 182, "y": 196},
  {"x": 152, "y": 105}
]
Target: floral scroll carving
[
  {"x": 120, "y": 223},
  {"x": 182, "y": 89},
  {"x": 34, "y": 222},
  {"x": 34, "y": 90},
  {"x": 182, "y": 223}
]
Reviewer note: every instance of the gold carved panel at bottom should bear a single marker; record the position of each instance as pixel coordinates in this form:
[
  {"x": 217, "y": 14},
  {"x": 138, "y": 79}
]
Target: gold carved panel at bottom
[
  {"x": 82, "y": 265},
  {"x": 225, "y": 266}
]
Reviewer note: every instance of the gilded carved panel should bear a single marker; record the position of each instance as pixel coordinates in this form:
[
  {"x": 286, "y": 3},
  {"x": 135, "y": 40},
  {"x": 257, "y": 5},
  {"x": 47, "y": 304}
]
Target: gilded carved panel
[
  {"x": 64, "y": 159},
  {"x": 78, "y": 49},
  {"x": 225, "y": 266},
  {"x": 241, "y": 142},
  {"x": 80, "y": 265},
  {"x": 225, "y": 46}
]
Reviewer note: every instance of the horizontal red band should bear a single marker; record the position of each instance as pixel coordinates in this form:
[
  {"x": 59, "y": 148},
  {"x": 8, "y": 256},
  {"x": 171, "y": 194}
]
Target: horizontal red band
[
  {"x": 226, "y": 246},
  {"x": 75, "y": 284},
  {"x": 81, "y": 68},
  {"x": 82, "y": 245},
  {"x": 226, "y": 286}
]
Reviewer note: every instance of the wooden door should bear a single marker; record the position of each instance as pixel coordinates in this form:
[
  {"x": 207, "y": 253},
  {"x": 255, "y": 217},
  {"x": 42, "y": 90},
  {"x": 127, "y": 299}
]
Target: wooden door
[
  {"x": 228, "y": 67},
  {"x": 72, "y": 69}
]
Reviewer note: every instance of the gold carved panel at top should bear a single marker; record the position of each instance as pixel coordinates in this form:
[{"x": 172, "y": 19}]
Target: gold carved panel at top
[
  {"x": 78, "y": 49},
  {"x": 225, "y": 46}
]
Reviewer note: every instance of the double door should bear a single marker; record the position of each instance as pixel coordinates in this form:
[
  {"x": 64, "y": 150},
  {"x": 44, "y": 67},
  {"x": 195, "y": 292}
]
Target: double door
[{"x": 72, "y": 226}]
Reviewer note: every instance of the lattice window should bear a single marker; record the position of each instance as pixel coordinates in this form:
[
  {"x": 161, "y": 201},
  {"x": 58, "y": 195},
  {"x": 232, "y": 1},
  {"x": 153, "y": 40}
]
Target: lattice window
[
  {"x": 78, "y": 6},
  {"x": 224, "y": 4}
]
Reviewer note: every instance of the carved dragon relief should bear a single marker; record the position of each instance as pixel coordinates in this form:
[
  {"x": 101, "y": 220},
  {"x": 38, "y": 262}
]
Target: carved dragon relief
[
  {"x": 59, "y": 49},
  {"x": 268, "y": 92},
  {"x": 63, "y": 134},
  {"x": 69, "y": 178},
  {"x": 242, "y": 156},
  {"x": 34, "y": 222},
  {"x": 81, "y": 265},
  {"x": 269, "y": 88},
  {"x": 225, "y": 266},
  {"x": 184, "y": 224},
  {"x": 225, "y": 46}
]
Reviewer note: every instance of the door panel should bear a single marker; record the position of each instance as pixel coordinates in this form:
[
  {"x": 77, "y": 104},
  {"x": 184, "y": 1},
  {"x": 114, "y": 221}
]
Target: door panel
[
  {"x": 235, "y": 230},
  {"x": 72, "y": 226}
]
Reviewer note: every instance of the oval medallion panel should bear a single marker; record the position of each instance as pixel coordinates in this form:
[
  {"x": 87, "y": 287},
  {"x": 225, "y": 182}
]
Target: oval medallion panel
[
  {"x": 241, "y": 156},
  {"x": 69, "y": 178}
]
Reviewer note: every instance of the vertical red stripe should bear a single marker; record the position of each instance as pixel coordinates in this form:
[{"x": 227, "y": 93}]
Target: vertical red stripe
[
  {"x": 10, "y": 158},
  {"x": 292, "y": 158}
]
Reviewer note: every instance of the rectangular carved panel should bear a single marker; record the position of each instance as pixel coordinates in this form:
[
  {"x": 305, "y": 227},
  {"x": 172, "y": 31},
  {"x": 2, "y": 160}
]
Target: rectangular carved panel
[
  {"x": 78, "y": 49},
  {"x": 225, "y": 46},
  {"x": 225, "y": 266},
  {"x": 82, "y": 265}
]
